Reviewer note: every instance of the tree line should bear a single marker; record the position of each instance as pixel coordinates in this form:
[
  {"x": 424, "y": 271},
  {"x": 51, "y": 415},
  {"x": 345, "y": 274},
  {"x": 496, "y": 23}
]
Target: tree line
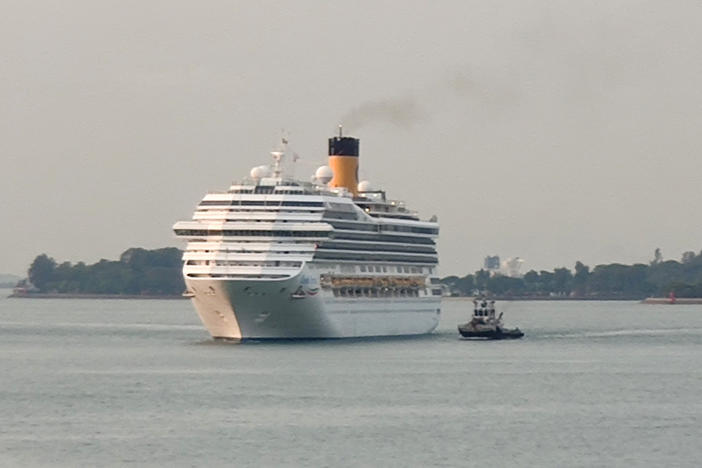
[
  {"x": 658, "y": 278},
  {"x": 159, "y": 272},
  {"x": 137, "y": 272}
]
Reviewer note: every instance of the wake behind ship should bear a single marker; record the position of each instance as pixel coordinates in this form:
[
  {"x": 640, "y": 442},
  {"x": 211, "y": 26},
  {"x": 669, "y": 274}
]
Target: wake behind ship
[{"x": 279, "y": 258}]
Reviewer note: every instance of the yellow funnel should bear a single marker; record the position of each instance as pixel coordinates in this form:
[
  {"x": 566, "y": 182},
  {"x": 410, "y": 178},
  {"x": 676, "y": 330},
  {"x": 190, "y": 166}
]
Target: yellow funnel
[{"x": 343, "y": 161}]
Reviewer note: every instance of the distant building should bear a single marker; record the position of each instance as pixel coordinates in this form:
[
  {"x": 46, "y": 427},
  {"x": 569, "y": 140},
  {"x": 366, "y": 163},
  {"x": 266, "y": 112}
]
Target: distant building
[
  {"x": 492, "y": 263},
  {"x": 511, "y": 267}
]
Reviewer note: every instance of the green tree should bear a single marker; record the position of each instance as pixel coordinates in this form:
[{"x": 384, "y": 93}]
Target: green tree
[
  {"x": 621, "y": 280},
  {"x": 562, "y": 281},
  {"x": 580, "y": 279},
  {"x": 505, "y": 285},
  {"x": 688, "y": 257},
  {"x": 63, "y": 278},
  {"x": 657, "y": 257},
  {"x": 41, "y": 271},
  {"x": 466, "y": 285},
  {"x": 481, "y": 279},
  {"x": 547, "y": 281},
  {"x": 662, "y": 274},
  {"x": 531, "y": 282}
]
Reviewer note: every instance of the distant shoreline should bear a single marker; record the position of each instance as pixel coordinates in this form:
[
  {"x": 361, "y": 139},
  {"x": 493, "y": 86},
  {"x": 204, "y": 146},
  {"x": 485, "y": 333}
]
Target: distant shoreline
[
  {"x": 549, "y": 299},
  {"x": 171, "y": 297},
  {"x": 90, "y": 296},
  {"x": 677, "y": 300},
  {"x": 649, "y": 300}
]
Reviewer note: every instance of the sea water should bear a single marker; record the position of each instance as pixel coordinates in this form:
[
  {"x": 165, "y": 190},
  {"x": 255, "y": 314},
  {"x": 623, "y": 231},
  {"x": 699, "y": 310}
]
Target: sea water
[{"x": 120, "y": 382}]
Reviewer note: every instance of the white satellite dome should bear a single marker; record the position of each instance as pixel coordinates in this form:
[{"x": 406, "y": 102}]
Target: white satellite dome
[
  {"x": 365, "y": 186},
  {"x": 324, "y": 174},
  {"x": 260, "y": 172}
]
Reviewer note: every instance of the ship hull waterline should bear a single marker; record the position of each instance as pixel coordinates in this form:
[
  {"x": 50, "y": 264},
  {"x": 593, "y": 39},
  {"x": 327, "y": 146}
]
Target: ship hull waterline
[{"x": 262, "y": 310}]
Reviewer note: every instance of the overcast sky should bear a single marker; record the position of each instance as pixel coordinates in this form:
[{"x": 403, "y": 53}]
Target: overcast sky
[{"x": 551, "y": 130}]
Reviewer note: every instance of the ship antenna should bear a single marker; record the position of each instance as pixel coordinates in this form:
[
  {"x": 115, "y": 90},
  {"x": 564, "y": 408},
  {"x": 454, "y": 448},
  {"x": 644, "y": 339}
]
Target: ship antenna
[
  {"x": 278, "y": 156},
  {"x": 341, "y": 127},
  {"x": 294, "y": 158}
]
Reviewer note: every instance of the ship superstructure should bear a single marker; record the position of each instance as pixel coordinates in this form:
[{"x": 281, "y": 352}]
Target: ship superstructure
[{"x": 274, "y": 257}]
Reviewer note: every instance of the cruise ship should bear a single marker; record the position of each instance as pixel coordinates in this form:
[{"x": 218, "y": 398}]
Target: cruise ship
[{"x": 279, "y": 258}]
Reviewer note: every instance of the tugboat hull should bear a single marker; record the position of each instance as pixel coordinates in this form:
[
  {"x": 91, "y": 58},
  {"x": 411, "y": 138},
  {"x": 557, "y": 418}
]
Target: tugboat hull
[{"x": 497, "y": 333}]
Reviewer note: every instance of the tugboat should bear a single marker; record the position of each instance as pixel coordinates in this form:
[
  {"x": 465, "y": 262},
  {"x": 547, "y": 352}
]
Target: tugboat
[{"x": 484, "y": 324}]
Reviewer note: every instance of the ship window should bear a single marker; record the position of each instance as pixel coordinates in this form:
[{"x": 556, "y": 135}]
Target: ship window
[
  {"x": 301, "y": 203},
  {"x": 363, "y": 268}
]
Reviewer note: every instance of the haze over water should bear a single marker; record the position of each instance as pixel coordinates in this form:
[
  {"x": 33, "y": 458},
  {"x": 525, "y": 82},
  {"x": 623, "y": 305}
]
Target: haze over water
[{"x": 105, "y": 383}]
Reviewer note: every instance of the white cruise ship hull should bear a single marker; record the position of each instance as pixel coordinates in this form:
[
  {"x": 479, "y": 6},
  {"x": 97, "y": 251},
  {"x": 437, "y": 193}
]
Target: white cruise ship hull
[{"x": 271, "y": 309}]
